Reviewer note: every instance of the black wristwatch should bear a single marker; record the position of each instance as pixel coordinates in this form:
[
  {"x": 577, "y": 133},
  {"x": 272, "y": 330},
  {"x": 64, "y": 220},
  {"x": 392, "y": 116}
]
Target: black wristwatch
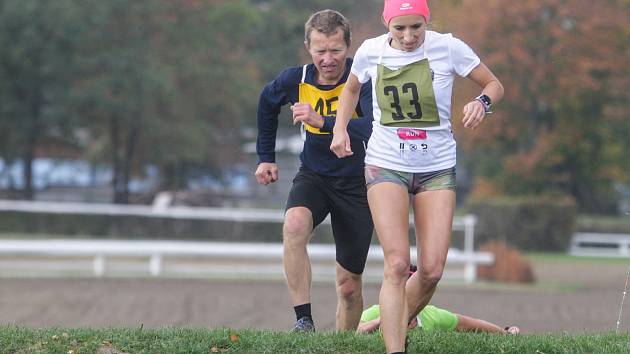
[{"x": 486, "y": 102}]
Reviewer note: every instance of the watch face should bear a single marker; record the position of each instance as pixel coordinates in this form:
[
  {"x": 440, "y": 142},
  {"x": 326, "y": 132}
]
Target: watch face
[{"x": 485, "y": 101}]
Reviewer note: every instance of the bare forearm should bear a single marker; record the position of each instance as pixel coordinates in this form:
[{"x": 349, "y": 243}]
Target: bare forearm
[
  {"x": 347, "y": 102},
  {"x": 471, "y": 324},
  {"x": 340, "y": 144},
  {"x": 494, "y": 90},
  {"x": 489, "y": 83}
]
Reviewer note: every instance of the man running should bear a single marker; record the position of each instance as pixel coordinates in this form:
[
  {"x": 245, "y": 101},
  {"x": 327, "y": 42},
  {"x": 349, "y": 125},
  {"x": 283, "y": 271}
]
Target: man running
[{"x": 324, "y": 184}]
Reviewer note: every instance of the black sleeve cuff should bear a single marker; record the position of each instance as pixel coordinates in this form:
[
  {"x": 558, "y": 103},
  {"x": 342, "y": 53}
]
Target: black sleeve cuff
[
  {"x": 271, "y": 158},
  {"x": 329, "y": 124}
]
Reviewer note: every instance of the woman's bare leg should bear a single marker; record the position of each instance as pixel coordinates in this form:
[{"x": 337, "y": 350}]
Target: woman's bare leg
[
  {"x": 433, "y": 217},
  {"x": 389, "y": 205}
]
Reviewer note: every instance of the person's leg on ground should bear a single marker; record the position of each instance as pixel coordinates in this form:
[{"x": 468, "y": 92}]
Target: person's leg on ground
[
  {"x": 389, "y": 203},
  {"x": 433, "y": 217}
]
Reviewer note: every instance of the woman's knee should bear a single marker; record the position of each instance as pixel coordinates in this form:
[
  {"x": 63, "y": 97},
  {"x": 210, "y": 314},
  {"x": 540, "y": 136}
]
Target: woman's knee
[
  {"x": 396, "y": 270},
  {"x": 431, "y": 274}
]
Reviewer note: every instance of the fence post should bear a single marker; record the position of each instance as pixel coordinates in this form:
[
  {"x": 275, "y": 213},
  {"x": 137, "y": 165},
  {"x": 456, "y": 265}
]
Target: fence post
[
  {"x": 155, "y": 265},
  {"x": 99, "y": 265},
  {"x": 470, "y": 268}
]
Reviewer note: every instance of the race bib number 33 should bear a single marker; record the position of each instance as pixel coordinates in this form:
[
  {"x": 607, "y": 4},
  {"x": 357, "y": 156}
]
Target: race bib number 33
[{"x": 405, "y": 96}]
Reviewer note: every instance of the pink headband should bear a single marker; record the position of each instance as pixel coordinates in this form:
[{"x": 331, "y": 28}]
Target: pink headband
[{"x": 394, "y": 8}]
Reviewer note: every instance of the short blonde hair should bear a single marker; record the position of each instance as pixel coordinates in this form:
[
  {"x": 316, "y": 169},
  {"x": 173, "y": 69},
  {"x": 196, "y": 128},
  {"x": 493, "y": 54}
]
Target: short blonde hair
[{"x": 327, "y": 22}]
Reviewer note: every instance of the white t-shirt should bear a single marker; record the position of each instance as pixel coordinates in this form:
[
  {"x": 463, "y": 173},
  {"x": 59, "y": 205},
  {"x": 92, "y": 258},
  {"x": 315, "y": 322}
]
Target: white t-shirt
[{"x": 447, "y": 56}]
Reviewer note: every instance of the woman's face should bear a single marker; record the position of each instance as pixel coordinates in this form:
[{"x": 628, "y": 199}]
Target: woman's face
[{"x": 407, "y": 32}]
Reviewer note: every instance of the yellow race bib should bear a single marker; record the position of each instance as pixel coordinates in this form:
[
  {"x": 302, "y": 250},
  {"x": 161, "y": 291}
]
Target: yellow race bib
[{"x": 324, "y": 102}]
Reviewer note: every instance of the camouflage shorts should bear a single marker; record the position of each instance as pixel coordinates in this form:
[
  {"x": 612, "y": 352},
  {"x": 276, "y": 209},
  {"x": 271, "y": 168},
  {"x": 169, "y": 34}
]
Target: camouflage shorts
[{"x": 414, "y": 182}]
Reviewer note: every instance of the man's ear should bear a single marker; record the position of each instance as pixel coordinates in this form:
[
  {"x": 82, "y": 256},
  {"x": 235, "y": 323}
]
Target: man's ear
[{"x": 306, "y": 46}]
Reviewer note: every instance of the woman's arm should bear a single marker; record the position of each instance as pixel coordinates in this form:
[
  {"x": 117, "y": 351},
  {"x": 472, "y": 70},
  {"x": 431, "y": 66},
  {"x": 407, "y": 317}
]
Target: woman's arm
[
  {"x": 474, "y": 111},
  {"x": 348, "y": 100}
]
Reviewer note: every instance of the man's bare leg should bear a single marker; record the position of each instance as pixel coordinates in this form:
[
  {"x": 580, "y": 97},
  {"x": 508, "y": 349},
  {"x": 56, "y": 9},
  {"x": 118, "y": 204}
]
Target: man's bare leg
[
  {"x": 349, "y": 299},
  {"x": 296, "y": 233}
]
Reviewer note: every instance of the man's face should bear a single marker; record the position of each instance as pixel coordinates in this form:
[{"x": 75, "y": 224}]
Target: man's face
[{"x": 329, "y": 56}]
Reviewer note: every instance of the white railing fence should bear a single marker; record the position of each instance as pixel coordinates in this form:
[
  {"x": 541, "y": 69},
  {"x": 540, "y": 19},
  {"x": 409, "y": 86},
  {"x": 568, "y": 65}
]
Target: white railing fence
[
  {"x": 593, "y": 244},
  {"x": 225, "y": 258}
]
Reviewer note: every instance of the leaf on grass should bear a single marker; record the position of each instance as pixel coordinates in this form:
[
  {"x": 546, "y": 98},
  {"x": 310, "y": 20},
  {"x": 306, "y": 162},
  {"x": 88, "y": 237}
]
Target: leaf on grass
[
  {"x": 214, "y": 350},
  {"x": 37, "y": 347},
  {"x": 108, "y": 349},
  {"x": 55, "y": 337},
  {"x": 65, "y": 335},
  {"x": 233, "y": 338}
]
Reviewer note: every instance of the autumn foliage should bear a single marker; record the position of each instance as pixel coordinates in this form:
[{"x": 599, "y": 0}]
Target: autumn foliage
[
  {"x": 509, "y": 264},
  {"x": 560, "y": 128}
]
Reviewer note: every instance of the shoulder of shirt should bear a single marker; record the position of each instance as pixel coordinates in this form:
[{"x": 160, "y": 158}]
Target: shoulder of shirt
[
  {"x": 437, "y": 36},
  {"x": 375, "y": 41},
  {"x": 290, "y": 76},
  {"x": 441, "y": 40}
]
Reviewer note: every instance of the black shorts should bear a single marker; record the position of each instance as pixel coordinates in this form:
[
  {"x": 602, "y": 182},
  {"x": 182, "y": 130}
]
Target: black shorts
[{"x": 345, "y": 199}]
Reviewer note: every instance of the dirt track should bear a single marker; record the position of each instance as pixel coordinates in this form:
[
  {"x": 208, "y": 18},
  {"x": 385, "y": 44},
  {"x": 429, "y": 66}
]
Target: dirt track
[{"x": 569, "y": 297}]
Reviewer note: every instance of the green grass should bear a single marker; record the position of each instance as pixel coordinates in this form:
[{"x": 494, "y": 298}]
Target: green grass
[
  {"x": 616, "y": 220},
  {"x": 561, "y": 257},
  {"x": 600, "y": 223},
  {"x": 189, "y": 340}
]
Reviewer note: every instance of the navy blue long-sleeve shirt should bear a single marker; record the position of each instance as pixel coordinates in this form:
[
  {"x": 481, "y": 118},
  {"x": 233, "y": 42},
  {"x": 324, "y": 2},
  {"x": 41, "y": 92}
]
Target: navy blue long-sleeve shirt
[{"x": 316, "y": 154}]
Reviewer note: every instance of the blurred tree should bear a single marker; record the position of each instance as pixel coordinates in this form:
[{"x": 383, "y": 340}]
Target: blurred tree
[
  {"x": 38, "y": 40},
  {"x": 561, "y": 127},
  {"x": 119, "y": 80},
  {"x": 162, "y": 83},
  {"x": 168, "y": 84},
  {"x": 279, "y": 43},
  {"x": 172, "y": 84}
]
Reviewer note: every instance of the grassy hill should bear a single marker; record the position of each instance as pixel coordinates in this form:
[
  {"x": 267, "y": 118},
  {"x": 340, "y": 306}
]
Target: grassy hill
[{"x": 191, "y": 340}]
